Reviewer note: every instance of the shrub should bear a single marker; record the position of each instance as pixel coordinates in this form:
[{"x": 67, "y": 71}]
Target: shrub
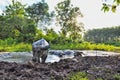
[{"x": 7, "y": 42}]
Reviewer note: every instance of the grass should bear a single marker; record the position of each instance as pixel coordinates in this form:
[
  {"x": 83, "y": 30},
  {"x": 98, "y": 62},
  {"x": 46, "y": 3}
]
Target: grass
[
  {"x": 78, "y": 76},
  {"x": 99, "y": 79},
  {"x": 86, "y": 46},
  {"x": 116, "y": 76},
  {"x": 10, "y": 45},
  {"x": 21, "y": 47}
]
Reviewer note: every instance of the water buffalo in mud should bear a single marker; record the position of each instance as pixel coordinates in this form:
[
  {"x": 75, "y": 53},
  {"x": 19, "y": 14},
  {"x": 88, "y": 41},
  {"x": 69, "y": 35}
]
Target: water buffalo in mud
[{"x": 40, "y": 50}]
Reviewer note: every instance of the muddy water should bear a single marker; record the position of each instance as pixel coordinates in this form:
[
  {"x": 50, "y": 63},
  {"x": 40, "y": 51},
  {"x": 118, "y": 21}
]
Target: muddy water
[
  {"x": 98, "y": 53},
  {"x": 23, "y": 57}
]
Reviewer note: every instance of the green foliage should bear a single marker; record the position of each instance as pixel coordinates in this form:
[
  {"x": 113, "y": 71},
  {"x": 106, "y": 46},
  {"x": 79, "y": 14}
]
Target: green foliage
[
  {"x": 5, "y": 28},
  {"x": 15, "y": 24},
  {"x": 84, "y": 46},
  {"x": 115, "y": 43},
  {"x": 37, "y": 10},
  {"x": 117, "y": 49},
  {"x": 15, "y": 9},
  {"x": 107, "y": 7},
  {"x": 19, "y": 26},
  {"x": 8, "y": 41},
  {"x": 12, "y": 45},
  {"x": 22, "y": 47},
  {"x": 51, "y": 36},
  {"x": 39, "y": 34},
  {"x": 99, "y": 79},
  {"x": 104, "y": 35},
  {"x": 113, "y": 9},
  {"x": 116, "y": 76},
  {"x": 78, "y": 76},
  {"x": 67, "y": 18},
  {"x": 39, "y": 13},
  {"x": 117, "y": 2}
]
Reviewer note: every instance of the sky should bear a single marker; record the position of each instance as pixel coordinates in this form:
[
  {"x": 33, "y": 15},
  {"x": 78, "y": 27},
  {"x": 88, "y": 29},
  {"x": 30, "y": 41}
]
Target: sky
[{"x": 91, "y": 9}]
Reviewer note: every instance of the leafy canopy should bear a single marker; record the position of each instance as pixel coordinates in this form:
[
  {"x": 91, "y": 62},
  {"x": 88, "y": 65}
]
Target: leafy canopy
[
  {"x": 107, "y": 7},
  {"x": 67, "y": 16}
]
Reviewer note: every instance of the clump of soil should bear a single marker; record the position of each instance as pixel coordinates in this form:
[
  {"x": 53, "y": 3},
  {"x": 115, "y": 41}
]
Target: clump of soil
[{"x": 103, "y": 67}]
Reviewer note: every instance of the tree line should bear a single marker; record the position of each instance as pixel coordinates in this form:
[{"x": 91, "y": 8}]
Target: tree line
[
  {"x": 104, "y": 35},
  {"x": 20, "y": 22}
]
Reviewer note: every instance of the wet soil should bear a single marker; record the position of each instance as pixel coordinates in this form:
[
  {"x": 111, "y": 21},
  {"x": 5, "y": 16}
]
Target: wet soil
[{"x": 95, "y": 67}]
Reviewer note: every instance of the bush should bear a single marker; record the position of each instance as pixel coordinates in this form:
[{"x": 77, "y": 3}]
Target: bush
[{"x": 7, "y": 42}]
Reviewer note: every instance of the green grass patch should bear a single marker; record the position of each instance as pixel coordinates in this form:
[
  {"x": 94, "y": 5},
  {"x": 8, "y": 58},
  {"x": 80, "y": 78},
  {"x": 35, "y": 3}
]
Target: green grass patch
[
  {"x": 10, "y": 45},
  {"x": 85, "y": 46},
  {"x": 78, "y": 76},
  {"x": 116, "y": 76},
  {"x": 21, "y": 47}
]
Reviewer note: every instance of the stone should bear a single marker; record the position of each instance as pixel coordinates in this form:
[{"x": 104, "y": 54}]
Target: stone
[
  {"x": 41, "y": 44},
  {"x": 40, "y": 50},
  {"x": 69, "y": 52},
  {"x": 61, "y": 53},
  {"x": 58, "y": 53}
]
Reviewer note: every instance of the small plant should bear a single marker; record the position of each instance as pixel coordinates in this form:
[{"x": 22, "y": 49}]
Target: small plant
[
  {"x": 99, "y": 79},
  {"x": 116, "y": 76},
  {"x": 78, "y": 76}
]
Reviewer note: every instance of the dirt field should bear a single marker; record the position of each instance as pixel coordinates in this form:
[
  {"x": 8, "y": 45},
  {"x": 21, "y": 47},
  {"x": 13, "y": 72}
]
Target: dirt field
[{"x": 95, "y": 67}]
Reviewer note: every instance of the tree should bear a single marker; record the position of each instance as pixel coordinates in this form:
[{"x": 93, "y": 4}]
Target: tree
[
  {"x": 5, "y": 31},
  {"x": 15, "y": 15},
  {"x": 67, "y": 18},
  {"x": 15, "y": 9},
  {"x": 107, "y": 7},
  {"x": 104, "y": 35},
  {"x": 16, "y": 24},
  {"x": 51, "y": 36},
  {"x": 39, "y": 13}
]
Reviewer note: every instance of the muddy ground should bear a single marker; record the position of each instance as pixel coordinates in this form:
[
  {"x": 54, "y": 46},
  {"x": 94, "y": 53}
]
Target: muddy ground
[{"x": 95, "y": 67}]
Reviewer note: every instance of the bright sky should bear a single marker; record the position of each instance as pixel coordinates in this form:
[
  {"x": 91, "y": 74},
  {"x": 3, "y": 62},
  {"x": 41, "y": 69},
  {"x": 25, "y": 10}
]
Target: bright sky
[{"x": 91, "y": 9}]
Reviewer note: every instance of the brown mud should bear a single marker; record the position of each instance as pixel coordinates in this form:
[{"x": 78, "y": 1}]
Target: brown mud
[{"x": 95, "y": 67}]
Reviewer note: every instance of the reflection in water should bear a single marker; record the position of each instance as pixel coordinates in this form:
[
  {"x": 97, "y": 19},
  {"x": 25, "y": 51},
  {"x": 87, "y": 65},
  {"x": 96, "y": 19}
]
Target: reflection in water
[
  {"x": 24, "y": 57},
  {"x": 52, "y": 58}
]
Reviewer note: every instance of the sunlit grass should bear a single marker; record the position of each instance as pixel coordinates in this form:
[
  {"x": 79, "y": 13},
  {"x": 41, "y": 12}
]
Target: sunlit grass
[
  {"x": 78, "y": 76},
  {"x": 86, "y": 46},
  {"x": 11, "y": 45},
  {"x": 21, "y": 47}
]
